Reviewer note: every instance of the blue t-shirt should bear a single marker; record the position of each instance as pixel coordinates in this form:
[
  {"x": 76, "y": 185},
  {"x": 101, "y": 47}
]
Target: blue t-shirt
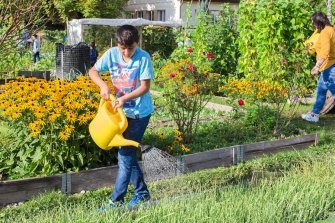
[{"x": 126, "y": 77}]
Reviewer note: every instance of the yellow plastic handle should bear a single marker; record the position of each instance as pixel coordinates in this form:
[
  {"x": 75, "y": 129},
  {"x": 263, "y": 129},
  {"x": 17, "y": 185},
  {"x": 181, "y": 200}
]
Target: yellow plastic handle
[{"x": 120, "y": 111}]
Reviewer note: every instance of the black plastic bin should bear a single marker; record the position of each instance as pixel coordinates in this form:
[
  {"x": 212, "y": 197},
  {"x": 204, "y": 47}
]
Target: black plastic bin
[{"x": 72, "y": 60}]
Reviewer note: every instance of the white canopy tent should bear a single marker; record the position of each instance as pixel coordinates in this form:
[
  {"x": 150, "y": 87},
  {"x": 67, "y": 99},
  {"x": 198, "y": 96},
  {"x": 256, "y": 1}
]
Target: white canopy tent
[{"x": 75, "y": 27}]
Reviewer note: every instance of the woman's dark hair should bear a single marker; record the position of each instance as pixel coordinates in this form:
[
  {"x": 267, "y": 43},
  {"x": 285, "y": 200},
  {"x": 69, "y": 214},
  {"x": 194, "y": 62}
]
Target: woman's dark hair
[
  {"x": 320, "y": 20},
  {"x": 127, "y": 35}
]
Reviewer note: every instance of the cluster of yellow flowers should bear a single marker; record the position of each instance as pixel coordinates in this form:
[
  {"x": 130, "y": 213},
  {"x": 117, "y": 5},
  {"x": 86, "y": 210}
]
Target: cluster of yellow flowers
[
  {"x": 177, "y": 142},
  {"x": 44, "y": 105},
  {"x": 255, "y": 90}
]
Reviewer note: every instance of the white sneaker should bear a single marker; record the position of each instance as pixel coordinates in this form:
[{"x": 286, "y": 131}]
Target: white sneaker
[{"x": 311, "y": 117}]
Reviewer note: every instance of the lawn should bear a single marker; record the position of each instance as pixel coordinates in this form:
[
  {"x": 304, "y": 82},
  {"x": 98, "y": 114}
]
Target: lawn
[{"x": 303, "y": 193}]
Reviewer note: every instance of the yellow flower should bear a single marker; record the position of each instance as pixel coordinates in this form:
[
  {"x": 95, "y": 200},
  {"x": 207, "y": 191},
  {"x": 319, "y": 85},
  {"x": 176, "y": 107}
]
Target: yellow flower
[
  {"x": 53, "y": 116},
  {"x": 177, "y": 132},
  {"x": 178, "y": 138},
  {"x": 66, "y": 133},
  {"x": 185, "y": 148},
  {"x": 35, "y": 128},
  {"x": 161, "y": 135},
  {"x": 71, "y": 117}
]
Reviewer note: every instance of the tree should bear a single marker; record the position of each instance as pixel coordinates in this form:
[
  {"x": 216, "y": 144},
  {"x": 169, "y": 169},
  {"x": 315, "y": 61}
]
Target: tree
[
  {"x": 330, "y": 9},
  {"x": 76, "y": 9},
  {"x": 17, "y": 16}
]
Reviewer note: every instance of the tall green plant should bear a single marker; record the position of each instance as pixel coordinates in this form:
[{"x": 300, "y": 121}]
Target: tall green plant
[
  {"x": 271, "y": 40},
  {"x": 271, "y": 45},
  {"x": 223, "y": 42},
  {"x": 159, "y": 39}
]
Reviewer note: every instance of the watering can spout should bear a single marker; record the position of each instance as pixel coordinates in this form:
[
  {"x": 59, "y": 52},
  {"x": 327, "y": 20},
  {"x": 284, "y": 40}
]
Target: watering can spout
[
  {"x": 145, "y": 148},
  {"x": 119, "y": 140}
]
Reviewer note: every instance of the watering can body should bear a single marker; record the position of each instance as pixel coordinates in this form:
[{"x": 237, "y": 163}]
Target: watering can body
[{"x": 108, "y": 125}]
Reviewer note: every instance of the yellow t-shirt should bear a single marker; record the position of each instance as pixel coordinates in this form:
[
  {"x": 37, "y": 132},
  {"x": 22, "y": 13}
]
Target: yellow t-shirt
[{"x": 325, "y": 47}]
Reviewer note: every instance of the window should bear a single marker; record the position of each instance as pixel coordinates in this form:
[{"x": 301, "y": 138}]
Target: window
[
  {"x": 139, "y": 14},
  {"x": 215, "y": 15},
  {"x": 150, "y": 15},
  {"x": 161, "y": 15}
]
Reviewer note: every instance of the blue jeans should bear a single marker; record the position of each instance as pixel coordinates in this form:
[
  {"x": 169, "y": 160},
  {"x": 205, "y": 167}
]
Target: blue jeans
[
  {"x": 36, "y": 57},
  {"x": 129, "y": 169},
  {"x": 326, "y": 82}
]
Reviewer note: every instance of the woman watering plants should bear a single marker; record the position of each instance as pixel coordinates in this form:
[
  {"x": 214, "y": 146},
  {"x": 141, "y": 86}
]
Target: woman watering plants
[
  {"x": 131, "y": 71},
  {"x": 325, "y": 64}
]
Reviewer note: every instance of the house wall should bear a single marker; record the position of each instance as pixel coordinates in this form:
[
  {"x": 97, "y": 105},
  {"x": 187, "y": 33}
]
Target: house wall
[
  {"x": 214, "y": 8},
  {"x": 171, "y": 7},
  {"x": 174, "y": 10}
]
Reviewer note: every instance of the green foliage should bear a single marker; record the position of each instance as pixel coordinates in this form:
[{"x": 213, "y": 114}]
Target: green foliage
[
  {"x": 271, "y": 46},
  {"x": 77, "y": 9},
  {"x": 22, "y": 59},
  {"x": 159, "y": 39},
  {"x": 271, "y": 41},
  {"x": 221, "y": 39},
  {"x": 187, "y": 85},
  {"x": 263, "y": 117},
  {"x": 104, "y": 37}
]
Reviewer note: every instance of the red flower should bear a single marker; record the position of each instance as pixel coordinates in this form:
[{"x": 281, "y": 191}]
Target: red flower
[
  {"x": 189, "y": 50},
  {"x": 240, "y": 102},
  {"x": 283, "y": 62},
  {"x": 172, "y": 75},
  {"x": 191, "y": 67},
  {"x": 210, "y": 56}
]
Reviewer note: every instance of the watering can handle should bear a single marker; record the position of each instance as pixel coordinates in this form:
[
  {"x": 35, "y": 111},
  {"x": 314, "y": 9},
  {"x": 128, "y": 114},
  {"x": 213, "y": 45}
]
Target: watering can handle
[{"x": 120, "y": 111}]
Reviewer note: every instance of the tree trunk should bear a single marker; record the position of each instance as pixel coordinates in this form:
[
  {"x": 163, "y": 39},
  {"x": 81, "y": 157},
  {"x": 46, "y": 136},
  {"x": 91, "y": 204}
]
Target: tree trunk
[{"x": 330, "y": 9}]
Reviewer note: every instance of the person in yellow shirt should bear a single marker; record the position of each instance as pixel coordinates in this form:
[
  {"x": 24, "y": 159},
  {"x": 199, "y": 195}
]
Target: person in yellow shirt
[{"x": 325, "y": 63}]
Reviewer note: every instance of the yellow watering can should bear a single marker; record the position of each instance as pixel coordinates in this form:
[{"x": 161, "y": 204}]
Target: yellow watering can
[{"x": 108, "y": 125}]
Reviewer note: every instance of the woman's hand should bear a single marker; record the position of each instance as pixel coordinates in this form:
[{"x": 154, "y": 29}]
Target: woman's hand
[{"x": 315, "y": 70}]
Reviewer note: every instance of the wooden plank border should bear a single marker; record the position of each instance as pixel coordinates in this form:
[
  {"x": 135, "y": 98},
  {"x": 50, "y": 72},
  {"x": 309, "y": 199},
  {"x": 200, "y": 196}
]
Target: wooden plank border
[
  {"x": 238, "y": 153},
  {"x": 14, "y": 191}
]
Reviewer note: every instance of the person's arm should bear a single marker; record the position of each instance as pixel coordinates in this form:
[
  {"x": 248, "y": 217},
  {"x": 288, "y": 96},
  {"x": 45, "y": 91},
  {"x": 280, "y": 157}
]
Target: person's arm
[
  {"x": 325, "y": 38},
  {"x": 105, "y": 91},
  {"x": 142, "y": 89},
  {"x": 317, "y": 66}
]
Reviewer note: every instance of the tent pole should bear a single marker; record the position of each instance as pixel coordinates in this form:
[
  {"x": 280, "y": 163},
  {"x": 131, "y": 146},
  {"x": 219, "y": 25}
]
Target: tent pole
[{"x": 140, "y": 31}]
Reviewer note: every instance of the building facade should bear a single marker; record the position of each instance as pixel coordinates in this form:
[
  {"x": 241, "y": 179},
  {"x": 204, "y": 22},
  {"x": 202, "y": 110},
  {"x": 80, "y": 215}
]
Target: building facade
[{"x": 173, "y": 10}]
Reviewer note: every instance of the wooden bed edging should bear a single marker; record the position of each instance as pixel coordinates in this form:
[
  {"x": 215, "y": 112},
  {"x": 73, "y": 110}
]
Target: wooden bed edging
[
  {"x": 238, "y": 153},
  {"x": 14, "y": 191}
]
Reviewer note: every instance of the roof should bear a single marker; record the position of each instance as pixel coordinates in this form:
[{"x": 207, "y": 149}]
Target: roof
[
  {"x": 120, "y": 22},
  {"x": 223, "y": 1}
]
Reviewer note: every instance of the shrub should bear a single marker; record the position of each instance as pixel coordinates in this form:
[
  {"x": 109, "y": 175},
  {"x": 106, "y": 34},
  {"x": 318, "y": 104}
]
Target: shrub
[{"x": 187, "y": 85}]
